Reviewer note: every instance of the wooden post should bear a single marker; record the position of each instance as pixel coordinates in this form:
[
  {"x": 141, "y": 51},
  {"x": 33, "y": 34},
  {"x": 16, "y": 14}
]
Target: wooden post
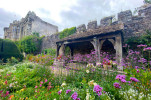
[{"x": 118, "y": 48}]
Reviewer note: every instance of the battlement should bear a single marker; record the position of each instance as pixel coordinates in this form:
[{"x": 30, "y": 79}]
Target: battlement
[{"x": 124, "y": 17}]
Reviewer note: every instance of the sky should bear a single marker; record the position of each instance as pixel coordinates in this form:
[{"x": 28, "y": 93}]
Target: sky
[{"x": 63, "y": 13}]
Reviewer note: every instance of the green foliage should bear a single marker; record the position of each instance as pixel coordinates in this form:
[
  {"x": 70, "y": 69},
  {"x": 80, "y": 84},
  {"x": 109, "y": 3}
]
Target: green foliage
[
  {"x": 8, "y": 49},
  {"x": 12, "y": 61},
  {"x": 147, "y": 1},
  {"x": 36, "y": 34},
  {"x": 30, "y": 44},
  {"x": 66, "y": 32},
  {"x": 144, "y": 39},
  {"x": 49, "y": 51}
]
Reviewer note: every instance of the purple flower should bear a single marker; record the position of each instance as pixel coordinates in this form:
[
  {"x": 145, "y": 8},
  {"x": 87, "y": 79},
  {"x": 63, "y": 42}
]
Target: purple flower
[
  {"x": 117, "y": 85},
  {"x": 99, "y": 93},
  {"x": 147, "y": 49},
  {"x": 136, "y": 67},
  {"x": 97, "y": 89},
  {"x": 150, "y": 62},
  {"x": 134, "y": 79},
  {"x": 67, "y": 91},
  {"x": 120, "y": 77},
  {"x": 123, "y": 80},
  {"x": 129, "y": 81},
  {"x": 141, "y": 45},
  {"x": 59, "y": 92},
  {"x": 74, "y": 96}
]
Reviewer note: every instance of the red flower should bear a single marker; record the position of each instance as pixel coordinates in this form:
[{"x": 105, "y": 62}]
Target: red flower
[{"x": 6, "y": 82}]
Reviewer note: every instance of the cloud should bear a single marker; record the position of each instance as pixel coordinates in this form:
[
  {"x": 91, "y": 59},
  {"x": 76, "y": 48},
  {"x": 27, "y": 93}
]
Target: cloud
[
  {"x": 6, "y": 18},
  {"x": 63, "y": 13},
  {"x": 88, "y": 10}
]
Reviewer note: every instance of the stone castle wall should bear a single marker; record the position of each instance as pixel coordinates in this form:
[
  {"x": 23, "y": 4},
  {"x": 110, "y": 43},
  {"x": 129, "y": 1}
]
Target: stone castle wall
[
  {"x": 26, "y": 26},
  {"x": 133, "y": 25}
]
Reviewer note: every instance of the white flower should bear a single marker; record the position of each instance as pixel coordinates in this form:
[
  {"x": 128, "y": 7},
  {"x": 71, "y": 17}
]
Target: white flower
[
  {"x": 55, "y": 99},
  {"x": 95, "y": 84},
  {"x": 87, "y": 71},
  {"x": 88, "y": 96},
  {"x": 63, "y": 84},
  {"x": 98, "y": 64},
  {"x": 91, "y": 82}
]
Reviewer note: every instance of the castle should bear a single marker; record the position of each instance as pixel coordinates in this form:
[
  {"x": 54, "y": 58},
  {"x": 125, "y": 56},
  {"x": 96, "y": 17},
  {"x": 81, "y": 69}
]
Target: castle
[{"x": 26, "y": 26}]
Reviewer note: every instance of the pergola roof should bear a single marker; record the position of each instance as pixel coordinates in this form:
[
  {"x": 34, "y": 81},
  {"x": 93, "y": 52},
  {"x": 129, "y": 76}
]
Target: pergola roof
[{"x": 93, "y": 32}]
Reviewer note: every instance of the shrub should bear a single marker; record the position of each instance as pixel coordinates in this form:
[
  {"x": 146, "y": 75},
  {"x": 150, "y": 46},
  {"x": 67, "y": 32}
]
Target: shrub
[
  {"x": 144, "y": 39},
  {"x": 12, "y": 61},
  {"x": 66, "y": 32},
  {"x": 8, "y": 49},
  {"x": 30, "y": 44},
  {"x": 49, "y": 51}
]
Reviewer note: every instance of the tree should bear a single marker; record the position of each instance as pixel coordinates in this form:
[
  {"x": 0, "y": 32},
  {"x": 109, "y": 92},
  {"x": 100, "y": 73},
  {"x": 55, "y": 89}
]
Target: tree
[
  {"x": 147, "y": 1},
  {"x": 66, "y": 32}
]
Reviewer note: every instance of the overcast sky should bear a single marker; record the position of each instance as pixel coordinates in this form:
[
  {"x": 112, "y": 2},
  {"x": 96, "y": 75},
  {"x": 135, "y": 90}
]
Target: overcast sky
[{"x": 63, "y": 13}]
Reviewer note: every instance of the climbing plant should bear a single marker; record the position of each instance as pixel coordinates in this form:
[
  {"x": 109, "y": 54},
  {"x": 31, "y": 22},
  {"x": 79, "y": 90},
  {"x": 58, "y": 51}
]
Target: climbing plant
[
  {"x": 144, "y": 39},
  {"x": 66, "y": 32}
]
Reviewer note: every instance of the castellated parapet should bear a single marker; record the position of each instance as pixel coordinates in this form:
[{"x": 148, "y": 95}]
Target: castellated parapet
[
  {"x": 26, "y": 26},
  {"x": 133, "y": 25}
]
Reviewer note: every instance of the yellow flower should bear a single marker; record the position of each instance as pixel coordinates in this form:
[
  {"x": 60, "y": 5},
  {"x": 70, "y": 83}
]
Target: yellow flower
[
  {"x": 26, "y": 98},
  {"x": 21, "y": 90}
]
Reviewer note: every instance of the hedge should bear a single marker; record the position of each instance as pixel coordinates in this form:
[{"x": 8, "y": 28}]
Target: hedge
[{"x": 9, "y": 49}]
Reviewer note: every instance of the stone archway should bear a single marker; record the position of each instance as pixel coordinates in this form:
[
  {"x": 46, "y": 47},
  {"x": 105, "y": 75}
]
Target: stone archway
[{"x": 108, "y": 46}]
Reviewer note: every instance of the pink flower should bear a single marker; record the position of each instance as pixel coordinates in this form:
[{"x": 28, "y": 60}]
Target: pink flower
[
  {"x": 137, "y": 71},
  {"x": 117, "y": 85},
  {"x": 120, "y": 77},
  {"x": 74, "y": 96},
  {"x": 36, "y": 86},
  {"x": 49, "y": 87},
  {"x": 59, "y": 92},
  {"x": 46, "y": 80},
  {"x": 7, "y": 93},
  {"x": 67, "y": 91},
  {"x": 40, "y": 85},
  {"x": 41, "y": 82},
  {"x": 49, "y": 83},
  {"x": 134, "y": 79},
  {"x": 123, "y": 81}
]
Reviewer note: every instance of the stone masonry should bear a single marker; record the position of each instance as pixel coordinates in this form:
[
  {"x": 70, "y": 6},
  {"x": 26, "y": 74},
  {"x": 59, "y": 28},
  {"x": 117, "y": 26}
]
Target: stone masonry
[
  {"x": 133, "y": 25},
  {"x": 26, "y": 26}
]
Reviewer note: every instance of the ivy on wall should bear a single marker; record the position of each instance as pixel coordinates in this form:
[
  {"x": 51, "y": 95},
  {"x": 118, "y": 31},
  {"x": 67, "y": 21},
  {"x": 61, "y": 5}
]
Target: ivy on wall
[
  {"x": 144, "y": 39},
  {"x": 66, "y": 32},
  {"x": 30, "y": 44}
]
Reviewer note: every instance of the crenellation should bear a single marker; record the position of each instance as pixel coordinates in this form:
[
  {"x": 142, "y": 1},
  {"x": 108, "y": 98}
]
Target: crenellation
[
  {"x": 145, "y": 10},
  {"x": 106, "y": 21},
  {"x": 125, "y": 16},
  {"x": 81, "y": 28},
  {"x": 92, "y": 25}
]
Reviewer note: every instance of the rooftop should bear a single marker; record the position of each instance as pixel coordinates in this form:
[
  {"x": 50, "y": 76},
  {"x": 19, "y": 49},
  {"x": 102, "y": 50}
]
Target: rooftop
[{"x": 93, "y": 32}]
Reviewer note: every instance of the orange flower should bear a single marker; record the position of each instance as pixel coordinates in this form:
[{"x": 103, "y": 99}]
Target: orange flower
[{"x": 11, "y": 96}]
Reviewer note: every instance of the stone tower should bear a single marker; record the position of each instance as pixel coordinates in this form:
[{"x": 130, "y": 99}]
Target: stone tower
[{"x": 26, "y": 26}]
